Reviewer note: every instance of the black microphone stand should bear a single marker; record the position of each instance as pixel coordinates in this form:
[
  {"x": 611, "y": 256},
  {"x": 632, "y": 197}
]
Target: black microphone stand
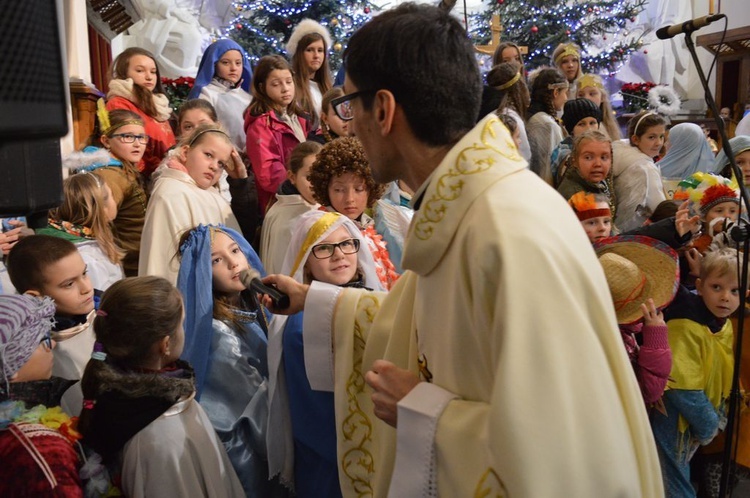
[{"x": 734, "y": 396}]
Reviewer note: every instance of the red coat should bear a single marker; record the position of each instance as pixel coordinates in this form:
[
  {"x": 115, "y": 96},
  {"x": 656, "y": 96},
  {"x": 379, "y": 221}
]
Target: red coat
[
  {"x": 160, "y": 134},
  {"x": 269, "y": 144}
]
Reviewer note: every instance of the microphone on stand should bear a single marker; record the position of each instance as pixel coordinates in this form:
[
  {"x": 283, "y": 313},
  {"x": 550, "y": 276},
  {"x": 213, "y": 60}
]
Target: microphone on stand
[
  {"x": 250, "y": 278},
  {"x": 668, "y": 32}
]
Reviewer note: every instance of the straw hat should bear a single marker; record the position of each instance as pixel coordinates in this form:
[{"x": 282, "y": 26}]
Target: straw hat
[{"x": 638, "y": 268}]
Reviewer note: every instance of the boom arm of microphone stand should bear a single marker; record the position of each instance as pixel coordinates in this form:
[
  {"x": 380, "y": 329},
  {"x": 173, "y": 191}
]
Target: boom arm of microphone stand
[{"x": 735, "y": 393}]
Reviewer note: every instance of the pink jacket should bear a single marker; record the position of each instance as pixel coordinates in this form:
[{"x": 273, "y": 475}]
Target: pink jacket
[
  {"x": 269, "y": 144},
  {"x": 652, "y": 361}
]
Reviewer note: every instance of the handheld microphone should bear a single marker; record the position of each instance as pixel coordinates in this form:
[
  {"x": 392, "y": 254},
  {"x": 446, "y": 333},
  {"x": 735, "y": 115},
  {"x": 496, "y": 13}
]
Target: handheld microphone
[
  {"x": 668, "y": 32},
  {"x": 250, "y": 278}
]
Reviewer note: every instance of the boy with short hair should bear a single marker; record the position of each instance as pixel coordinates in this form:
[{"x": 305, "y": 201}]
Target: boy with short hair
[
  {"x": 41, "y": 265},
  {"x": 701, "y": 339}
]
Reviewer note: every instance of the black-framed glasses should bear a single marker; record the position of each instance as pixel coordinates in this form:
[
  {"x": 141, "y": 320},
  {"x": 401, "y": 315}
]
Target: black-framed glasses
[
  {"x": 342, "y": 106},
  {"x": 46, "y": 341},
  {"x": 129, "y": 138},
  {"x": 325, "y": 251}
]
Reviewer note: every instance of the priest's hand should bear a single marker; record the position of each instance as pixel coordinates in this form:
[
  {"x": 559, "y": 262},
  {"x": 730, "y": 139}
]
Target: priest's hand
[
  {"x": 296, "y": 291},
  {"x": 390, "y": 384}
]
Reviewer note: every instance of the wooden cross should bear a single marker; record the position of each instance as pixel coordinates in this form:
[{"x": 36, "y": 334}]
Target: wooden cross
[{"x": 495, "y": 30}]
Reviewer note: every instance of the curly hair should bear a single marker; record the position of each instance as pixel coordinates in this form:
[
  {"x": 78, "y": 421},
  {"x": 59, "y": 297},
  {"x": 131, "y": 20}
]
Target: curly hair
[{"x": 342, "y": 155}]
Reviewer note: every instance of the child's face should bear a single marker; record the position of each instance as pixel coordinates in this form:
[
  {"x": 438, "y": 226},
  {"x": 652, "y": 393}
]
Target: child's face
[
  {"x": 68, "y": 283},
  {"x": 585, "y": 125},
  {"x": 651, "y": 141},
  {"x": 510, "y": 54},
  {"x": 729, "y": 210},
  {"x": 335, "y": 123},
  {"x": 227, "y": 261},
  {"x": 132, "y": 152},
  {"x": 300, "y": 180},
  {"x": 348, "y": 194},
  {"x": 592, "y": 93},
  {"x": 559, "y": 97},
  {"x": 743, "y": 161},
  {"x": 314, "y": 55},
  {"x": 725, "y": 112},
  {"x": 569, "y": 66},
  {"x": 721, "y": 294},
  {"x": 339, "y": 268},
  {"x": 38, "y": 366},
  {"x": 110, "y": 205},
  {"x": 598, "y": 227},
  {"x": 229, "y": 67},
  {"x": 205, "y": 160},
  {"x": 142, "y": 69},
  {"x": 192, "y": 119},
  {"x": 594, "y": 160},
  {"x": 279, "y": 86}
]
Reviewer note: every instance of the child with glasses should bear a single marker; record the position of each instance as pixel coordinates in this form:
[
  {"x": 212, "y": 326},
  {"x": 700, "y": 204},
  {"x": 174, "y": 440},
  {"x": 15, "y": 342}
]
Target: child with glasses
[
  {"x": 113, "y": 153},
  {"x": 226, "y": 343},
  {"x": 274, "y": 124},
  {"x": 37, "y": 440},
  {"x": 41, "y": 265},
  {"x": 184, "y": 197},
  {"x": 325, "y": 247},
  {"x": 342, "y": 182},
  {"x": 136, "y": 86}
]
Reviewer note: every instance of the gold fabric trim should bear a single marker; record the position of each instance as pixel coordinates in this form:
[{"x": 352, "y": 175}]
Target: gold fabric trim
[
  {"x": 569, "y": 49},
  {"x": 490, "y": 485},
  {"x": 358, "y": 463},
  {"x": 472, "y": 160},
  {"x": 511, "y": 82},
  {"x": 313, "y": 235},
  {"x": 589, "y": 80}
]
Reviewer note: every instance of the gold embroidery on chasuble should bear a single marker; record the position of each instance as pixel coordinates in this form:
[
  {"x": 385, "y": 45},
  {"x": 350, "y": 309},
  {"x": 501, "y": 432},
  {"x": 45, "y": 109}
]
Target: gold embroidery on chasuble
[
  {"x": 490, "y": 486},
  {"x": 473, "y": 160},
  {"x": 358, "y": 462}
]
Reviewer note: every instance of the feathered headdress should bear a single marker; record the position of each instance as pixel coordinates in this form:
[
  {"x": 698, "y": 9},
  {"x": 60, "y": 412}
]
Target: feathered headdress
[
  {"x": 305, "y": 27},
  {"x": 586, "y": 205},
  {"x": 705, "y": 191},
  {"x": 103, "y": 115}
]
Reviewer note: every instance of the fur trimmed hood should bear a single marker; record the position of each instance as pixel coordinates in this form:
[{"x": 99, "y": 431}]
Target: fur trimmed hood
[{"x": 305, "y": 27}]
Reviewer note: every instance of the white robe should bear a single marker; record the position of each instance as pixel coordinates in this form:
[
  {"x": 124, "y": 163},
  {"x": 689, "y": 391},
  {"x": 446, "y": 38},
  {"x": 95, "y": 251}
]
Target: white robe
[
  {"x": 637, "y": 183},
  {"x": 101, "y": 270},
  {"x": 177, "y": 204},
  {"x": 230, "y": 108},
  {"x": 276, "y": 232},
  {"x": 507, "y": 308},
  {"x": 178, "y": 454}
]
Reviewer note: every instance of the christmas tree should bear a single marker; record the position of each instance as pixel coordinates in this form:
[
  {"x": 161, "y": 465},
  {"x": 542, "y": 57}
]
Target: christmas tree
[
  {"x": 600, "y": 28},
  {"x": 263, "y": 27}
]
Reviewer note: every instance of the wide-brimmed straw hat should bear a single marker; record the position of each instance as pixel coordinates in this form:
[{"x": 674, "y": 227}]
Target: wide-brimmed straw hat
[{"x": 638, "y": 268}]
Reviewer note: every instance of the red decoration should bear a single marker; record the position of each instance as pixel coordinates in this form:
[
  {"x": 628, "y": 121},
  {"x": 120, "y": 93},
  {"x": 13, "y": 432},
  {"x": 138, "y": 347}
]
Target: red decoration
[
  {"x": 367, "y": 10},
  {"x": 632, "y": 19},
  {"x": 534, "y": 29},
  {"x": 238, "y": 26},
  {"x": 501, "y": 2},
  {"x": 567, "y": 32},
  {"x": 604, "y": 37},
  {"x": 645, "y": 51}
]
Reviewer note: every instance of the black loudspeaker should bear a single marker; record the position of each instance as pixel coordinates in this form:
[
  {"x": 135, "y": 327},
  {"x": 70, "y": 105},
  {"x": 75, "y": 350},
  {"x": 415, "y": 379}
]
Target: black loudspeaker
[{"x": 33, "y": 105}]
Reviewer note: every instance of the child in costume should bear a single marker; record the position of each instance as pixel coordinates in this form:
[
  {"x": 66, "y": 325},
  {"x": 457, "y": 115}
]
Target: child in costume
[
  {"x": 590, "y": 168},
  {"x": 115, "y": 151},
  {"x": 84, "y": 218},
  {"x": 294, "y": 198},
  {"x": 567, "y": 58},
  {"x": 688, "y": 152},
  {"x": 139, "y": 408},
  {"x": 579, "y": 116},
  {"x": 637, "y": 180},
  {"x": 643, "y": 275},
  {"x": 509, "y": 95},
  {"x": 274, "y": 125},
  {"x": 331, "y": 125},
  {"x": 223, "y": 79},
  {"x": 326, "y": 247},
  {"x": 41, "y": 265},
  {"x": 136, "y": 86},
  {"x": 184, "y": 197},
  {"x": 342, "y": 182},
  {"x": 37, "y": 440},
  {"x": 701, "y": 340},
  {"x": 225, "y": 341},
  {"x": 590, "y": 86},
  {"x": 308, "y": 48},
  {"x": 740, "y": 146},
  {"x": 549, "y": 92}
]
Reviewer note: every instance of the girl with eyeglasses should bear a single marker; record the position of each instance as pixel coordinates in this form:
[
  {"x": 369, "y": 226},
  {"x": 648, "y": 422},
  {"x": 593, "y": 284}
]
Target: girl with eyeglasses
[
  {"x": 274, "y": 125},
  {"x": 113, "y": 153},
  {"x": 325, "y": 247},
  {"x": 136, "y": 86}
]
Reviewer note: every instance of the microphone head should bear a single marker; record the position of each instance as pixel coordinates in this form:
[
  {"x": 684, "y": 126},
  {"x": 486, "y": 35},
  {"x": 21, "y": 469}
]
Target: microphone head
[
  {"x": 663, "y": 33},
  {"x": 248, "y": 275}
]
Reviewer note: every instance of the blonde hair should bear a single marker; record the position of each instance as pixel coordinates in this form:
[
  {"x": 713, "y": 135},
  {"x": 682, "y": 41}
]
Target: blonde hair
[
  {"x": 565, "y": 49},
  {"x": 608, "y": 116},
  {"x": 719, "y": 263},
  {"x": 84, "y": 204}
]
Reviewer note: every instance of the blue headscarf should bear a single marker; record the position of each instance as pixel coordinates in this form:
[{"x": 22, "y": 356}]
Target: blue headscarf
[
  {"x": 688, "y": 152},
  {"x": 738, "y": 144},
  {"x": 207, "y": 67},
  {"x": 195, "y": 283}
]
